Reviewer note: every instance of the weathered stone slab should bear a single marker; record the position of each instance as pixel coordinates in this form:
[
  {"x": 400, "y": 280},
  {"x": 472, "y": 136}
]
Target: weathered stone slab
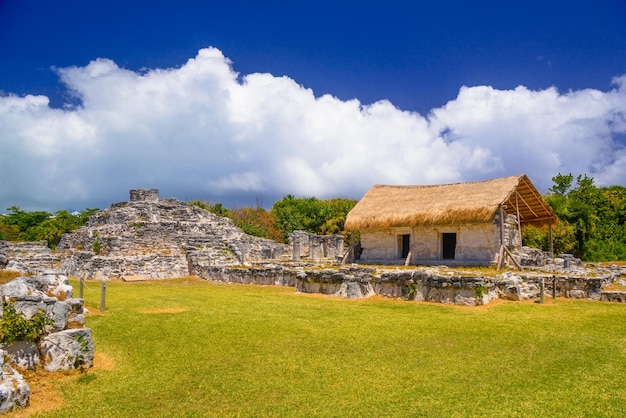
[
  {"x": 613, "y": 296},
  {"x": 68, "y": 349},
  {"x": 14, "y": 391},
  {"x": 24, "y": 354}
]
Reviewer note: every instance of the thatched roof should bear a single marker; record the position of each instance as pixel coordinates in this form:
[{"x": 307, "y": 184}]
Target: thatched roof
[{"x": 386, "y": 206}]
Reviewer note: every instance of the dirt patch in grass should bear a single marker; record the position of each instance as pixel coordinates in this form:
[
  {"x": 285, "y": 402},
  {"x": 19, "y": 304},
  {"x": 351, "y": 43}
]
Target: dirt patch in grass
[{"x": 165, "y": 310}]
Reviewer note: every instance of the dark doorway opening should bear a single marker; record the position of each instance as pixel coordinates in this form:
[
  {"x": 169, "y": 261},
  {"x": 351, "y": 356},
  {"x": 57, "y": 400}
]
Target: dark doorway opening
[
  {"x": 405, "y": 243},
  {"x": 448, "y": 245}
]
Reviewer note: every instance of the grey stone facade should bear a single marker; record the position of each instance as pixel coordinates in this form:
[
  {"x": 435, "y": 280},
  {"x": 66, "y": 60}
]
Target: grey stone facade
[{"x": 159, "y": 238}]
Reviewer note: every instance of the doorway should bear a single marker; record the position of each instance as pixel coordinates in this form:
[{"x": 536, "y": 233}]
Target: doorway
[
  {"x": 404, "y": 243},
  {"x": 448, "y": 245}
]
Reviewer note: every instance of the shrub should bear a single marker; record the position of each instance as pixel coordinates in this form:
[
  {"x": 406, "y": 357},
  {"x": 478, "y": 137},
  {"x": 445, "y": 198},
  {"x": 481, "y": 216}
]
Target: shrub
[{"x": 16, "y": 327}]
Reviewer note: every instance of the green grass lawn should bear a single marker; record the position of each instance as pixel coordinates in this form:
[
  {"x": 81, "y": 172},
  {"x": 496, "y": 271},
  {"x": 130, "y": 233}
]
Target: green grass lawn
[{"x": 193, "y": 348}]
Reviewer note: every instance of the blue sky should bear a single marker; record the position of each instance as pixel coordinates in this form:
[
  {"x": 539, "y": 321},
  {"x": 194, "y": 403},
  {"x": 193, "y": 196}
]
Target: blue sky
[{"x": 229, "y": 102}]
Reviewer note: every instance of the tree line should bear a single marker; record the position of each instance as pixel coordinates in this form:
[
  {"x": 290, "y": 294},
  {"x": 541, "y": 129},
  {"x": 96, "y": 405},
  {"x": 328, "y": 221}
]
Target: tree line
[
  {"x": 323, "y": 217},
  {"x": 591, "y": 220},
  {"x": 19, "y": 225}
]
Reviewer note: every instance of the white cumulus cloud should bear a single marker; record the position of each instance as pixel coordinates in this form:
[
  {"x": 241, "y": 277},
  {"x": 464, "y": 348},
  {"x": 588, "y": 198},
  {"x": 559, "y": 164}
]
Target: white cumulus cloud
[{"x": 204, "y": 131}]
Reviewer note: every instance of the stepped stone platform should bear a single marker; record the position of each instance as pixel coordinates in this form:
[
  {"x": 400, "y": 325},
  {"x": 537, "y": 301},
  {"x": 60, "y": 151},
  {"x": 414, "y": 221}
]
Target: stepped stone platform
[{"x": 158, "y": 238}]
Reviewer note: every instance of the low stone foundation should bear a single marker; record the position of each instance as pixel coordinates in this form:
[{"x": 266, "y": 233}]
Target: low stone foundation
[
  {"x": 253, "y": 275},
  {"x": 430, "y": 284},
  {"x": 613, "y": 296}
]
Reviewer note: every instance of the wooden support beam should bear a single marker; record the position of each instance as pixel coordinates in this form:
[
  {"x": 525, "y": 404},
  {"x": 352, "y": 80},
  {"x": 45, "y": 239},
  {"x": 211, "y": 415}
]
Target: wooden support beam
[
  {"x": 512, "y": 258},
  {"x": 500, "y": 258},
  {"x": 408, "y": 258},
  {"x": 348, "y": 254}
]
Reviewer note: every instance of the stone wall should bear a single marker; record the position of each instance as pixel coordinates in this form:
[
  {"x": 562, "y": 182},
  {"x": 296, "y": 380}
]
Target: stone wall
[
  {"x": 476, "y": 243},
  {"x": 27, "y": 257},
  {"x": 137, "y": 195},
  {"x": 613, "y": 296},
  {"x": 316, "y": 247},
  {"x": 272, "y": 275},
  {"x": 433, "y": 284},
  {"x": 381, "y": 244},
  {"x": 419, "y": 285}
]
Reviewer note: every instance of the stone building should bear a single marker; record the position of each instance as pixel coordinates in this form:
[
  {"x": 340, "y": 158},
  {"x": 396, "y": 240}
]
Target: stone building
[
  {"x": 449, "y": 224},
  {"x": 159, "y": 238}
]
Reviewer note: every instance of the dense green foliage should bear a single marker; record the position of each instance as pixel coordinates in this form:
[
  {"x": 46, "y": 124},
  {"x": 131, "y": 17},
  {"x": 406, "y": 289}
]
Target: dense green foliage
[
  {"x": 288, "y": 214},
  {"x": 16, "y": 327},
  {"x": 253, "y": 221},
  {"x": 194, "y": 348},
  {"x": 591, "y": 220},
  {"x": 312, "y": 215},
  {"x": 19, "y": 225}
]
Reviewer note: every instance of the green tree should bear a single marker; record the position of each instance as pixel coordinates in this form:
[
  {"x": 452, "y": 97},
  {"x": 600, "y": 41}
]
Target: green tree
[
  {"x": 218, "y": 209},
  {"x": 20, "y": 225},
  {"x": 256, "y": 221},
  {"x": 591, "y": 219},
  {"x": 311, "y": 215}
]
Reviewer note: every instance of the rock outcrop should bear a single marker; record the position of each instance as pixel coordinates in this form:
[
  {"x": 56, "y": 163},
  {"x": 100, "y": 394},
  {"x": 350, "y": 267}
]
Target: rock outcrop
[
  {"x": 14, "y": 391},
  {"x": 65, "y": 345},
  {"x": 51, "y": 293},
  {"x": 158, "y": 238}
]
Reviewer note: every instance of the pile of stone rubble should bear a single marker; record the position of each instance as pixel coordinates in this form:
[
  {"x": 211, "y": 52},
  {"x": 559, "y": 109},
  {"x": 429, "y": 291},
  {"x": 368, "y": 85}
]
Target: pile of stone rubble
[{"x": 66, "y": 345}]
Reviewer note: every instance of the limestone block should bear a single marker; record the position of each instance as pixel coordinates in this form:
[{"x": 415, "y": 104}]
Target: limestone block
[
  {"x": 355, "y": 290},
  {"x": 577, "y": 294},
  {"x": 76, "y": 319},
  {"x": 68, "y": 349},
  {"x": 14, "y": 391},
  {"x": 16, "y": 287},
  {"x": 24, "y": 354},
  {"x": 59, "y": 314}
]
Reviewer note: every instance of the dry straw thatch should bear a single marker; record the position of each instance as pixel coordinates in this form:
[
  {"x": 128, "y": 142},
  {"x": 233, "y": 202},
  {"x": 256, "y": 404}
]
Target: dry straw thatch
[{"x": 391, "y": 206}]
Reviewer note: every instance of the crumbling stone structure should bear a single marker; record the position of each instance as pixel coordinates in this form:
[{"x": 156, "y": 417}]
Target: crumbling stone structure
[
  {"x": 144, "y": 195},
  {"x": 158, "y": 238},
  {"x": 27, "y": 257},
  {"x": 316, "y": 247}
]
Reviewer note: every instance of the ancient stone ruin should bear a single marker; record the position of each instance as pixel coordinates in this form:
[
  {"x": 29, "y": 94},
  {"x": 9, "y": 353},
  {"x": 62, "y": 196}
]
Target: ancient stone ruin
[
  {"x": 316, "y": 247},
  {"x": 153, "y": 238},
  {"x": 158, "y": 238}
]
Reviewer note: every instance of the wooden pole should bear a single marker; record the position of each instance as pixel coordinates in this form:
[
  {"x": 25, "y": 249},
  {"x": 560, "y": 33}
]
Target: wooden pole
[
  {"x": 82, "y": 285},
  {"x": 348, "y": 255},
  {"x": 551, "y": 239},
  {"x": 542, "y": 286},
  {"x": 103, "y": 293},
  {"x": 501, "y": 216},
  {"x": 500, "y": 258},
  {"x": 519, "y": 221}
]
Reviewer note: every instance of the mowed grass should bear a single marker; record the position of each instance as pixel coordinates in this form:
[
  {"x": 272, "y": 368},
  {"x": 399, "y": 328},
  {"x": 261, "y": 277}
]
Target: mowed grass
[{"x": 188, "y": 347}]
